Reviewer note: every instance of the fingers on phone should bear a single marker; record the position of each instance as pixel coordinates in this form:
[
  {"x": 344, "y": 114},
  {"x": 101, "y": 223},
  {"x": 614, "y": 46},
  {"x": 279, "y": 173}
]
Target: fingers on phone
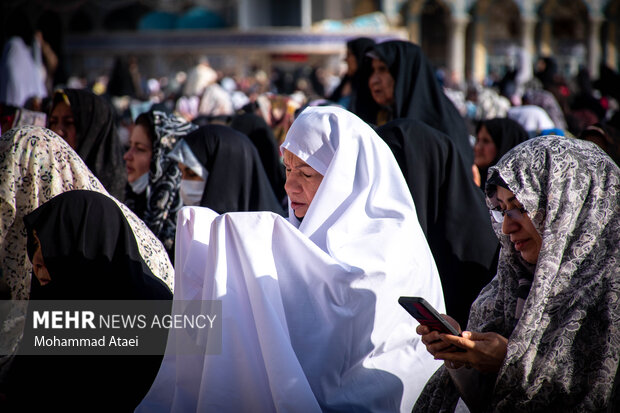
[{"x": 459, "y": 342}]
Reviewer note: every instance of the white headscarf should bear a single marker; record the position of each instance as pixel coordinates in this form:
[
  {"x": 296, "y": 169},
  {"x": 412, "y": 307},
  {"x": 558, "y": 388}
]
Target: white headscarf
[
  {"x": 311, "y": 319},
  {"x": 20, "y": 78}
]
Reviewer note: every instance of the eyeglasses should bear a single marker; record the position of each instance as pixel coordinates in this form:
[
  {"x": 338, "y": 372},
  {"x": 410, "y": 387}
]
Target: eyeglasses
[{"x": 514, "y": 213}]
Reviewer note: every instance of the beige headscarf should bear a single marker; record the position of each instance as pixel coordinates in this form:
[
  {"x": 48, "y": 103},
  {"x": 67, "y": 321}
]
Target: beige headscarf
[{"x": 36, "y": 165}]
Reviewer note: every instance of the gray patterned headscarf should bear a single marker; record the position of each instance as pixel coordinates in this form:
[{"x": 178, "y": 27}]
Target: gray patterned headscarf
[
  {"x": 162, "y": 193},
  {"x": 564, "y": 350}
]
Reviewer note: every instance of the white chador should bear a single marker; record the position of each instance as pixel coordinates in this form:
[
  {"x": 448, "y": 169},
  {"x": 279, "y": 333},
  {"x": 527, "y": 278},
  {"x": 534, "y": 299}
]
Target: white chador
[{"x": 311, "y": 320}]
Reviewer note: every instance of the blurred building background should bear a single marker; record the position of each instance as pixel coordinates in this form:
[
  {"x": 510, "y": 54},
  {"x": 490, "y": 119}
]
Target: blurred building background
[{"x": 470, "y": 39}]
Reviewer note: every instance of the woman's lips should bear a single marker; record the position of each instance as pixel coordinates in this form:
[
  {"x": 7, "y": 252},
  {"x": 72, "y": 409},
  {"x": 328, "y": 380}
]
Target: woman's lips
[
  {"x": 520, "y": 245},
  {"x": 296, "y": 205}
]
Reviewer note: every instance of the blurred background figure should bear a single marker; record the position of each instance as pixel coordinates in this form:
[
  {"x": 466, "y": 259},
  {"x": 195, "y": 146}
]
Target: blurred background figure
[
  {"x": 345, "y": 92},
  {"x": 199, "y": 77},
  {"x": 20, "y": 71},
  {"x": 532, "y": 118},
  {"x": 495, "y": 137},
  {"x": 606, "y": 137},
  {"x": 125, "y": 79}
]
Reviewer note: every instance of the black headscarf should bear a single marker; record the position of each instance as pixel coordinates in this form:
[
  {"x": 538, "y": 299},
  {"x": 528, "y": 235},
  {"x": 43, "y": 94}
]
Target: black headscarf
[
  {"x": 506, "y": 134},
  {"x": 358, "y": 47},
  {"x": 451, "y": 210},
  {"x": 237, "y": 180},
  {"x": 97, "y": 139},
  {"x": 90, "y": 252},
  {"x": 121, "y": 82},
  {"x": 261, "y": 135},
  {"x": 417, "y": 94},
  {"x": 547, "y": 73}
]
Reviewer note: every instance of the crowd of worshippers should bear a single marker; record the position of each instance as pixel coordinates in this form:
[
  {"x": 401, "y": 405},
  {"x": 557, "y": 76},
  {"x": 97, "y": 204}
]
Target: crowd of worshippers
[{"x": 308, "y": 217}]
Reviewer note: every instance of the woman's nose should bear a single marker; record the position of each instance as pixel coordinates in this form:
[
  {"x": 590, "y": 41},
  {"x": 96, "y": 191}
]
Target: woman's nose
[
  {"x": 291, "y": 185},
  {"x": 509, "y": 225}
]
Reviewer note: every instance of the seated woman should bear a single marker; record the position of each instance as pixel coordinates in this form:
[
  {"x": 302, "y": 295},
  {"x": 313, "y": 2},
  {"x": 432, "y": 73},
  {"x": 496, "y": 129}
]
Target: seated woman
[
  {"x": 36, "y": 165},
  {"x": 495, "y": 137},
  {"x": 154, "y": 179},
  {"x": 82, "y": 248},
  {"x": 81, "y": 237},
  {"x": 310, "y": 305},
  {"x": 450, "y": 208},
  {"x": 544, "y": 334},
  {"x": 221, "y": 170},
  {"x": 88, "y": 123}
]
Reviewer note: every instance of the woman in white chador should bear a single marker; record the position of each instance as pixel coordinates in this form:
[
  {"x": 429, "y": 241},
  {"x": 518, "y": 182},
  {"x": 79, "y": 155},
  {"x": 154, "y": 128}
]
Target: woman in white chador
[{"x": 311, "y": 320}]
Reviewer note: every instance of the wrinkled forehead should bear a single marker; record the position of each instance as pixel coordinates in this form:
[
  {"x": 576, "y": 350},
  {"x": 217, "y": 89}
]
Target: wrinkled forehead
[
  {"x": 314, "y": 136},
  {"x": 292, "y": 160}
]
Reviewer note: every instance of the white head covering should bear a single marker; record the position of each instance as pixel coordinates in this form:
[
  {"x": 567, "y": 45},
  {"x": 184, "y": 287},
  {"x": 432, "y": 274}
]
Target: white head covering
[
  {"x": 20, "y": 78},
  {"x": 311, "y": 320},
  {"x": 215, "y": 101}
]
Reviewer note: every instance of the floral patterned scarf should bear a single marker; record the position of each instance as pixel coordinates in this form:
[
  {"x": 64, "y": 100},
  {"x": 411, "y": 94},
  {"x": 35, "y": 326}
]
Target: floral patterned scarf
[
  {"x": 563, "y": 351},
  {"x": 36, "y": 165}
]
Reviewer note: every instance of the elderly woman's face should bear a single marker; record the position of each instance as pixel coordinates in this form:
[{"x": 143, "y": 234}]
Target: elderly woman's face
[
  {"x": 381, "y": 83},
  {"x": 302, "y": 182},
  {"x": 519, "y": 226}
]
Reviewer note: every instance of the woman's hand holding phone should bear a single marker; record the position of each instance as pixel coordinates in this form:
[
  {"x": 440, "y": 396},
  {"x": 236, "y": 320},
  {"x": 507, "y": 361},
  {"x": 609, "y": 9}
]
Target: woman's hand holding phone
[
  {"x": 432, "y": 339},
  {"x": 483, "y": 351}
]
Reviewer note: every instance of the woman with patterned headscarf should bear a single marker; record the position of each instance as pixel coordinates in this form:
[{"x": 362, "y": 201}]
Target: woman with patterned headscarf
[
  {"x": 35, "y": 166},
  {"x": 154, "y": 179},
  {"x": 544, "y": 335}
]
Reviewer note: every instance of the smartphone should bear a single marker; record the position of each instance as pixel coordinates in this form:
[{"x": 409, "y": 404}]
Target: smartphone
[{"x": 426, "y": 315}]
